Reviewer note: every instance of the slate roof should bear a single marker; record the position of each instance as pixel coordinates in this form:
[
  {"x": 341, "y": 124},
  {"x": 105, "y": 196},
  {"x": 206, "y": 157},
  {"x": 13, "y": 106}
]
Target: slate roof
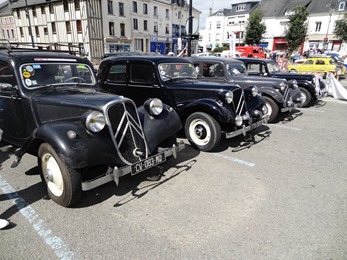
[
  {"x": 278, "y": 8},
  {"x": 5, "y": 9}
]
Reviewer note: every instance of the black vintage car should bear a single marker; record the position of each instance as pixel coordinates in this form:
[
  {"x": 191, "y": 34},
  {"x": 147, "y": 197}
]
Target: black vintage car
[
  {"x": 207, "y": 110},
  {"x": 51, "y": 107},
  {"x": 279, "y": 95},
  {"x": 311, "y": 87}
]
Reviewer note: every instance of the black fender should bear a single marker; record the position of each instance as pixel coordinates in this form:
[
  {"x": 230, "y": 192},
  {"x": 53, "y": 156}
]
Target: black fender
[
  {"x": 158, "y": 128},
  {"x": 216, "y": 109},
  {"x": 272, "y": 93},
  {"x": 308, "y": 86},
  {"x": 86, "y": 149}
]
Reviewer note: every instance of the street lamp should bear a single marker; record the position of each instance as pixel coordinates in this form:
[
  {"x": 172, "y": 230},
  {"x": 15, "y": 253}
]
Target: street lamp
[
  {"x": 326, "y": 39},
  {"x": 158, "y": 26}
]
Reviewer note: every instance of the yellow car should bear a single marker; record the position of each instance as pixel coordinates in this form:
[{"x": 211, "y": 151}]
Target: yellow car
[{"x": 321, "y": 64}]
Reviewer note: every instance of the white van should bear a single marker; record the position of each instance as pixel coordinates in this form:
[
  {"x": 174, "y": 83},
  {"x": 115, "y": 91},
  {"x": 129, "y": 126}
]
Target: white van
[{"x": 228, "y": 54}]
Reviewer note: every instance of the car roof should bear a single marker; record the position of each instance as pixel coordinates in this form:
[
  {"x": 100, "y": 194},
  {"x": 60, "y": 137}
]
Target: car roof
[
  {"x": 254, "y": 59},
  {"x": 213, "y": 59},
  {"x": 156, "y": 59}
]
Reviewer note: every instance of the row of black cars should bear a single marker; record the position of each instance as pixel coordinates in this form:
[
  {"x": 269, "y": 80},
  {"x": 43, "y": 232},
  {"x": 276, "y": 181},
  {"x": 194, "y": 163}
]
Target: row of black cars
[{"x": 54, "y": 106}]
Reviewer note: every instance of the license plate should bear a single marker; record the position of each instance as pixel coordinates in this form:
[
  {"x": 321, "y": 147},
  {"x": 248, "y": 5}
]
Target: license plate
[{"x": 148, "y": 163}]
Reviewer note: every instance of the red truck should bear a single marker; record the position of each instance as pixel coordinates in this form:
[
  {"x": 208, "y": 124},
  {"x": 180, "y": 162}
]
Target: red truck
[{"x": 256, "y": 51}]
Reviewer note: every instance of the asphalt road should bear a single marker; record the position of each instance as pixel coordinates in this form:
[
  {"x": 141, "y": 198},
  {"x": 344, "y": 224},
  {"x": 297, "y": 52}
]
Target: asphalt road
[{"x": 284, "y": 197}]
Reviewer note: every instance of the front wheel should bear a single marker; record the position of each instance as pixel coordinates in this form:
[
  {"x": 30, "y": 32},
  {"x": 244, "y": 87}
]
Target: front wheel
[
  {"x": 63, "y": 183},
  {"x": 293, "y": 71},
  {"x": 203, "y": 131},
  {"x": 305, "y": 96},
  {"x": 272, "y": 109}
]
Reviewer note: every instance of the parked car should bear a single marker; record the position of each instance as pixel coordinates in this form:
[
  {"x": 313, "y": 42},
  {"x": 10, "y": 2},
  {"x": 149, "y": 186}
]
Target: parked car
[
  {"x": 279, "y": 95},
  {"x": 207, "y": 110},
  {"x": 51, "y": 107},
  {"x": 311, "y": 86},
  {"x": 321, "y": 64}
]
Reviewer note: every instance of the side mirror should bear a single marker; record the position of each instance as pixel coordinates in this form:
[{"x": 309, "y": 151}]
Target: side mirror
[{"x": 7, "y": 87}]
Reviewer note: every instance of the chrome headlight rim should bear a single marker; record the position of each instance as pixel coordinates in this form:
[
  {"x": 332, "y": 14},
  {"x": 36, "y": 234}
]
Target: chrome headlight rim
[
  {"x": 255, "y": 91},
  {"x": 238, "y": 120},
  {"x": 94, "y": 121},
  {"x": 282, "y": 86},
  {"x": 154, "y": 106},
  {"x": 226, "y": 96}
]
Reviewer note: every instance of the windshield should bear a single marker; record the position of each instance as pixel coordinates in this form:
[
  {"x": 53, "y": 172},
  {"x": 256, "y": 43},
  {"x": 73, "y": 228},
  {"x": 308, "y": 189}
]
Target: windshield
[
  {"x": 236, "y": 68},
  {"x": 273, "y": 67},
  {"x": 169, "y": 71},
  {"x": 36, "y": 75}
]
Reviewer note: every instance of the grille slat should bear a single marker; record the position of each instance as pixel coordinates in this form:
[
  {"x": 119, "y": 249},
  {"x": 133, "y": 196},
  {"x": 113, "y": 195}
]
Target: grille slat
[{"x": 127, "y": 132}]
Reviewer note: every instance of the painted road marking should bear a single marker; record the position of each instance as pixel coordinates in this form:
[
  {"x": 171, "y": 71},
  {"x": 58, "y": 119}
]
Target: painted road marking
[
  {"x": 54, "y": 242},
  {"x": 232, "y": 159}
]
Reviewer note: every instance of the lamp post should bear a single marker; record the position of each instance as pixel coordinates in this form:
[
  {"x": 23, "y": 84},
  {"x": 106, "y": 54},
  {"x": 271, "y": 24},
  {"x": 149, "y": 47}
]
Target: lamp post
[
  {"x": 159, "y": 25},
  {"x": 28, "y": 16},
  {"x": 326, "y": 39}
]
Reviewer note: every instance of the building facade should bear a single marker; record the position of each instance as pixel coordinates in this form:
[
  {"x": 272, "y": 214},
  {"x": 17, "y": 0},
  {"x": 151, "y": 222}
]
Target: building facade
[{"x": 7, "y": 23}]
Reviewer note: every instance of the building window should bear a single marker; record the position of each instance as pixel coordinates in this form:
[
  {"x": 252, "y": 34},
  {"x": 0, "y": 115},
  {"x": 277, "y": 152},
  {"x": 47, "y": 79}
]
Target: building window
[
  {"x": 21, "y": 32},
  {"x": 179, "y": 15},
  {"x": 134, "y": 6},
  {"x": 43, "y": 10},
  {"x": 68, "y": 27},
  {"x": 219, "y": 24},
  {"x": 136, "y": 25},
  {"x": 121, "y": 9},
  {"x": 122, "y": 29},
  {"x": 167, "y": 13},
  {"x": 139, "y": 46},
  {"x": 77, "y": 5},
  {"x": 318, "y": 26},
  {"x": 45, "y": 30},
  {"x": 66, "y": 6},
  {"x": 34, "y": 12},
  {"x": 241, "y": 7},
  {"x": 155, "y": 27},
  {"x": 167, "y": 31},
  {"x": 145, "y": 9},
  {"x": 111, "y": 28},
  {"x": 12, "y": 30},
  {"x": 210, "y": 25},
  {"x": 217, "y": 37},
  {"x": 54, "y": 29},
  {"x": 79, "y": 26},
  {"x": 155, "y": 11},
  {"x": 37, "y": 33},
  {"x": 51, "y": 8},
  {"x": 342, "y": 5},
  {"x": 18, "y": 13},
  {"x": 110, "y": 7},
  {"x": 145, "y": 25}
]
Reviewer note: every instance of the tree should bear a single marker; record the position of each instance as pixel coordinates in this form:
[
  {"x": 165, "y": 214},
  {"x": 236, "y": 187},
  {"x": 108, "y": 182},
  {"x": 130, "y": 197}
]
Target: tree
[
  {"x": 255, "y": 28},
  {"x": 297, "y": 29},
  {"x": 340, "y": 29}
]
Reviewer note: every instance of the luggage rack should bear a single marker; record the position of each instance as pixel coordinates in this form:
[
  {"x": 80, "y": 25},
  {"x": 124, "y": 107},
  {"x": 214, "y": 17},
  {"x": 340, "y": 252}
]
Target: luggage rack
[{"x": 46, "y": 47}]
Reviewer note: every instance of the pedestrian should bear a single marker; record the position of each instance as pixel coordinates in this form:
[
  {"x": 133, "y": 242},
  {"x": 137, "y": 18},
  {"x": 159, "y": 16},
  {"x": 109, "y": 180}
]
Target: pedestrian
[{"x": 250, "y": 55}]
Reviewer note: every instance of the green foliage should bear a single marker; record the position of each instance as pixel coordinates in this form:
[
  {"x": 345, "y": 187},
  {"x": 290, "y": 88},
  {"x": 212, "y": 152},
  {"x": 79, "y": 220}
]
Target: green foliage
[
  {"x": 340, "y": 29},
  {"x": 297, "y": 29},
  {"x": 255, "y": 28},
  {"x": 219, "y": 49}
]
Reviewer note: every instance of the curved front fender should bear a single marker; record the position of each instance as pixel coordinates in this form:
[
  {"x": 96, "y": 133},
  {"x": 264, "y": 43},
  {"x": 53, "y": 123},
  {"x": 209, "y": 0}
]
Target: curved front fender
[
  {"x": 271, "y": 92},
  {"x": 87, "y": 149},
  {"x": 212, "y": 107}
]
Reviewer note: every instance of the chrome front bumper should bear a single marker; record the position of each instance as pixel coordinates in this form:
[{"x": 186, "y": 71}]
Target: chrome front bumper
[
  {"x": 248, "y": 128},
  {"x": 117, "y": 172}
]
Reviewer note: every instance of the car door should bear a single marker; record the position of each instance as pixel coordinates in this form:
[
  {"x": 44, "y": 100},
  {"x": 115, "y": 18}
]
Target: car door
[{"x": 12, "y": 107}]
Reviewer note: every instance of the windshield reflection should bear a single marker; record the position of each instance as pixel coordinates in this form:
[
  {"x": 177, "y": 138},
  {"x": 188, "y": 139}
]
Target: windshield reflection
[
  {"x": 36, "y": 75},
  {"x": 169, "y": 71}
]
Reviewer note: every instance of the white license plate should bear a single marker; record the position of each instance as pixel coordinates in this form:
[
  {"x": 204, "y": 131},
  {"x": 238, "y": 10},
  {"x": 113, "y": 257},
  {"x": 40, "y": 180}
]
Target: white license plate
[{"x": 148, "y": 163}]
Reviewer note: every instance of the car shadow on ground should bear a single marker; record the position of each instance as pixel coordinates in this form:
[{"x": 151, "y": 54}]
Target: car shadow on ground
[{"x": 135, "y": 187}]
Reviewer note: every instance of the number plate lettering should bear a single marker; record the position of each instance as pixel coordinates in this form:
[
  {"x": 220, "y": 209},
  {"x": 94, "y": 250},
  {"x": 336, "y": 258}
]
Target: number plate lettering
[{"x": 148, "y": 163}]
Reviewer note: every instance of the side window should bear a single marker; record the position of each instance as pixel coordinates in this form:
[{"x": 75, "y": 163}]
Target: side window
[
  {"x": 6, "y": 73},
  {"x": 254, "y": 68},
  {"x": 142, "y": 73},
  {"x": 208, "y": 70},
  {"x": 219, "y": 72},
  {"x": 320, "y": 62},
  {"x": 117, "y": 73},
  {"x": 309, "y": 62}
]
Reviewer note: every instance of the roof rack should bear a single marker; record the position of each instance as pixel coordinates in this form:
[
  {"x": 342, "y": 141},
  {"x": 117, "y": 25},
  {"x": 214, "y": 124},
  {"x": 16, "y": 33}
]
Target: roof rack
[{"x": 46, "y": 47}]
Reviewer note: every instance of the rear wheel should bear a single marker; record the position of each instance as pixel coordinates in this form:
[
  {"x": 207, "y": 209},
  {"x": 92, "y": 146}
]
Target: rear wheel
[
  {"x": 63, "y": 183},
  {"x": 306, "y": 97},
  {"x": 272, "y": 108},
  {"x": 203, "y": 131},
  {"x": 293, "y": 71}
]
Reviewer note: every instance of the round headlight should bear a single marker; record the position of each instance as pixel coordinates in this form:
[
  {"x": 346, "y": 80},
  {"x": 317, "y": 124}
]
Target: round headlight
[
  {"x": 154, "y": 106},
  {"x": 229, "y": 96},
  {"x": 238, "y": 120},
  {"x": 255, "y": 91},
  {"x": 282, "y": 86},
  {"x": 95, "y": 121}
]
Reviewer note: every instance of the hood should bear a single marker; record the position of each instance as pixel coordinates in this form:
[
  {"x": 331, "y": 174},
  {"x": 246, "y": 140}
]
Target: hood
[
  {"x": 203, "y": 85},
  {"x": 257, "y": 79},
  {"x": 297, "y": 76},
  {"x": 70, "y": 104}
]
